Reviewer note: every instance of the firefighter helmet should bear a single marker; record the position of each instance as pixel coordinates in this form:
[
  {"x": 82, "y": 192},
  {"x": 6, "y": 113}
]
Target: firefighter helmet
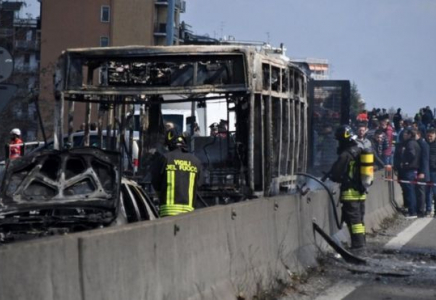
[
  {"x": 173, "y": 139},
  {"x": 344, "y": 133}
]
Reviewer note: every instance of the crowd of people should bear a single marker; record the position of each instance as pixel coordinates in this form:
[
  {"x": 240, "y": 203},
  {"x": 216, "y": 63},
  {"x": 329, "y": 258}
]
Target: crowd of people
[{"x": 409, "y": 146}]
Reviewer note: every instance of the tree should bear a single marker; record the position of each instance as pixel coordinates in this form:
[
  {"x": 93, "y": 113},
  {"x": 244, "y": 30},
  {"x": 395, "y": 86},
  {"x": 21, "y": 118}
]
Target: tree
[{"x": 356, "y": 102}]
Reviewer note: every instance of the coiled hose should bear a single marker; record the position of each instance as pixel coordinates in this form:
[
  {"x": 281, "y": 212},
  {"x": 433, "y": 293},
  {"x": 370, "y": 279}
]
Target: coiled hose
[{"x": 332, "y": 200}]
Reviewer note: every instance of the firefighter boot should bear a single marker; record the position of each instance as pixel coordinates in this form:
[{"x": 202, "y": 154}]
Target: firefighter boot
[{"x": 358, "y": 240}]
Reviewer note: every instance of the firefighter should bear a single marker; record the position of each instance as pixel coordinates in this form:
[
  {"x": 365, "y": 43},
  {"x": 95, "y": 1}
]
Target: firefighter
[
  {"x": 175, "y": 177},
  {"x": 345, "y": 171},
  {"x": 15, "y": 144}
]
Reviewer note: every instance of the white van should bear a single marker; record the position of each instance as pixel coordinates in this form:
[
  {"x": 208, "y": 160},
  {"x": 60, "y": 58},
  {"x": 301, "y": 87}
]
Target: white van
[
  {"x": 179, "y": 114},
  {"x": 214, "y": 112}
]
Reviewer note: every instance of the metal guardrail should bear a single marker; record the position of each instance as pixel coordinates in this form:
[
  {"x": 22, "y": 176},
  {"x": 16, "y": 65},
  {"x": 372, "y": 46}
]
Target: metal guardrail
[{"x": 25, "y": 22}]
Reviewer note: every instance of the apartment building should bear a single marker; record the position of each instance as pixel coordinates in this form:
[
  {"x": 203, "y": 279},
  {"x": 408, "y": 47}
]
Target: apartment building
[
  {"x": 20, "y": 37},
  {"x": 99, "y": 23},
  {"x": 317, "y": 68}
]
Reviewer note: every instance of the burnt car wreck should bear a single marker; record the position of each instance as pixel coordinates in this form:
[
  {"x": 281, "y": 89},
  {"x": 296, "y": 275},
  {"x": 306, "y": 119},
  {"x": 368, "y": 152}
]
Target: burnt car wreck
[
  {"x": 139, "y": 89},
  {"x": 60, "y": 192}
]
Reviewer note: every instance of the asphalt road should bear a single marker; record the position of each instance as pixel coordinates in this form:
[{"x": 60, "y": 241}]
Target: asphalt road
[{"x": 401, "y": 264}]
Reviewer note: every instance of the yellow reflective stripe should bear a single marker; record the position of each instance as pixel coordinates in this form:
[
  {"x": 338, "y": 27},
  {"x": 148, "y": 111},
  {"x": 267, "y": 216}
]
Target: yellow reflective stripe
[
  {"x": 170, "y": 187},
  {"x": 191, "y": 188},
  {"x": 352, "y": 195},
  {"x": 174, "y": 186},
  {"x": 177, "y": 207},
  {"x": 353, "y": 198},
  {"x": 357, "y": 228},
  {"x": 351, "y": 192},
  {"x": 172, "y": 210}
]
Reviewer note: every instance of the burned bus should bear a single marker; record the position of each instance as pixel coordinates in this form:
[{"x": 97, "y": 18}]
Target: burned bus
[{"x": 262, "y": 108}]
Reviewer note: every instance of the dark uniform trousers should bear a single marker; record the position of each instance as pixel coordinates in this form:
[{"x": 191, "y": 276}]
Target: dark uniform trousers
[
  {"x": 353, "y": 212},
  {"x": 346, "y": 171}
]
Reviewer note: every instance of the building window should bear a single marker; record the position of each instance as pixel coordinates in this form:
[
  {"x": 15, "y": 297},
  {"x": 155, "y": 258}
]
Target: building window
[
  {"x": 104, "y": 41},
  {"x": 105, "y": 13}
]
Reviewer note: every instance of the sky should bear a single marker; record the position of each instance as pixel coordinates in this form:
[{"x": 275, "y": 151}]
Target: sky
[
  {"x": 32, "y": 7},
  {"x": 386, "y": 47}
]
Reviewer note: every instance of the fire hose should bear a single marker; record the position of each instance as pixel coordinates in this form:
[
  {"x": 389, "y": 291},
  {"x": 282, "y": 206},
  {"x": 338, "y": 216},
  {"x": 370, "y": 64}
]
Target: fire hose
[
  {"x": 348, "y": 257},
  {"x": 332, "y": 200}
]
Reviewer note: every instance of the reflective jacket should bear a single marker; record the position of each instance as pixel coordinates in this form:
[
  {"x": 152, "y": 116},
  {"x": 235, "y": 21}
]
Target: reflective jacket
[
  {"x": 346, "y": 172},
  {"x": 15, "y": 148},
  {"x": 176, "y": 176}
]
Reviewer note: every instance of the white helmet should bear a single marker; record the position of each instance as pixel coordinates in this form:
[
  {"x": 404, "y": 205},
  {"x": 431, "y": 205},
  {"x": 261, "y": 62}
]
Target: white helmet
[{"x": 16, "y": 131}]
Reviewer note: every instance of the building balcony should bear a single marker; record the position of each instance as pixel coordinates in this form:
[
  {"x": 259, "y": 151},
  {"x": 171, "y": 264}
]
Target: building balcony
[
  {"x": 33, "y": 23},
  {"x": 161, "y": 30},
  {"x": 28, "y": 23},
  {"x": 180, "y": 4}
]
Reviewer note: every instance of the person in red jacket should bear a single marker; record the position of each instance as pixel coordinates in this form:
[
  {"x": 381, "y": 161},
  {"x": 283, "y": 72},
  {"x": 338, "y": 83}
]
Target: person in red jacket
[
  {"x": 389, "y": 133},
  {"x": 15, "y": 144}
]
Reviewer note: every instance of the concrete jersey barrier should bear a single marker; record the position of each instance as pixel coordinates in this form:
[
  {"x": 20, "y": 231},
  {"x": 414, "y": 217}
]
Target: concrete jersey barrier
[{"x": 214, "y": 253}]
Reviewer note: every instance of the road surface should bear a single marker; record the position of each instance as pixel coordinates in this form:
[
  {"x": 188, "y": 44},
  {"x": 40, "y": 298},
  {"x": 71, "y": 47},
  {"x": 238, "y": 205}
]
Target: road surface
[{"x": 401, "y": 265}]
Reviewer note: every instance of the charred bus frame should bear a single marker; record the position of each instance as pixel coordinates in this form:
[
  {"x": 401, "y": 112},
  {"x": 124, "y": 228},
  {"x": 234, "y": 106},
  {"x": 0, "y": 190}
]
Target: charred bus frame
[{"x": 267, "y": 93}]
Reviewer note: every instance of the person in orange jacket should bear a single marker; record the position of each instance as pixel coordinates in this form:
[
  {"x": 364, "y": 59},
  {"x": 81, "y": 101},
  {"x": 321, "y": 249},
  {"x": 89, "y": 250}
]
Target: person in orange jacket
[
  {"x": 362, "y": 117},
  {"x": 15, "y": 144}
]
